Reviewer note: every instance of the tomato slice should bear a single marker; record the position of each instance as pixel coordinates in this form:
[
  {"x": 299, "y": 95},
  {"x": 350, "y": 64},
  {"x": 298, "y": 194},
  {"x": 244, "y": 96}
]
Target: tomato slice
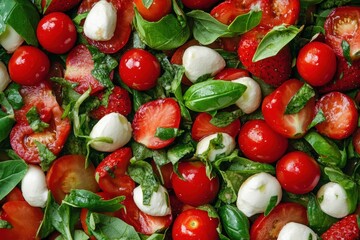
[
  {"x": 343, "y": 23},
  {"x": 125, "y": 14},
  {"x": 23, "y": 139},
  {"x": 269, "y": 227},
  {"x": 68, "y": 172}
]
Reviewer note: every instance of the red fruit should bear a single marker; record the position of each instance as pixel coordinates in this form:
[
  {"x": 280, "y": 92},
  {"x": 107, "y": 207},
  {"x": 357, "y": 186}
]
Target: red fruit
[
  {"x": 345, "y": 229},
  {"x": 231, "y": 74},
  {"x": 273, "y": 70},
  {"x": 160, "y": 113},
  {"x": 119, "y": 101},
  {"x": 58, "y": 5}
]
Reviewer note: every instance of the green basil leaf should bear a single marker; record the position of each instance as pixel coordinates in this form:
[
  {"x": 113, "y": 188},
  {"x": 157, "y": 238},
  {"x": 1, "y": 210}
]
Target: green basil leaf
[
  {"x": 6, "y": 120},
  {"x": 5, "y": 224},
  {"x": 23, "y": 17},
  {"x": 212, "y": 95},
  {"x": 167, "y": 133},
  {"x": 223, "y": 119},
  {"x": 274, "y": 41},
  {"x": 13, "y": 95},
  {"x": 271, "y": 205},
  {"x": 46, "y": 156},
  {"x": 140, "y": 152},
  {"x": 179, "y": 151},
  {"x": 346, "y": 51},
  {"x": 319, "y": 117},
  {"x": 231, "y": 185},
  {"x": 300, "y": 99},
  {"x": 78, "y": 235},
  {"x": 33, "y": 118},
  {"x": 46, "y": 227},
  {"x": 210, "y": 210},
  {"x": 234, "y": 222},
  {"x": 11, "y": 173},
  {"x": 245, "y": 22},
  {"x": 147, "y": 3},
  {"x": 80, "y": 198},
  {"x": 166, "y": 34}
]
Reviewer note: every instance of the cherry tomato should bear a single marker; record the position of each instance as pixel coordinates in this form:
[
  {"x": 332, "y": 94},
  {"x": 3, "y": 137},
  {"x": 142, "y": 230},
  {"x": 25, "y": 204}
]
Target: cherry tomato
[
  {"x": 194, "y": 188},
  {"x": 297, "y": 172},
  {"x": 231, "y": 74},
  {"x": 316, "y": 63},
  {"x": 56, "y": 33},
  {"x": 199, "y": 4},
  {"x": 139, "y": 69},
  {"x": 28, "y": 65},
  {"x": 157, "y": 10},
  {"x": 268, "y": 227},
  {"x": 58, "y": 5},
  {"x": 14, "y": 195},
  {"x": 195, "y": 224},
  {"x": 227, "y": 11},
  {"x": 164, "y": 173},
  {"x": 68, "y": 172},
  {"x": 259, "y": 142},
  {"x": 356, "y": 140}
]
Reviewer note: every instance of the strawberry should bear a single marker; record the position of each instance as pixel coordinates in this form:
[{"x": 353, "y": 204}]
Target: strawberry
[
  {"x": 119, "y": 101},
  {"x": 346, "y": 77},
  {"x": 160, "y": 113},
  {"x": 58, "y": 5},
  {"x": 345, "y": 229},
  {"x": 273, "y": 70}
]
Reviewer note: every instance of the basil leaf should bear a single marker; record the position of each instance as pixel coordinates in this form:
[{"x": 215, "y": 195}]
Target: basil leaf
[
  {"x": 300, "y": 99},
  {"x": 274, "y": 41},
  {"x": 346, "y": 51},
  {"x": 7, "y": 119},
  {"x": 5, "y": 224},
  {"x": 80, "y": 198},
  {"x": 46, "y": 227},
  {"x": 234, "y": 222},
  {"x": 11, "y": 173},
  {"x": 23, "y": 17},
  {"x": 78, "y": 235},
  {"x": 13, "y": 95},
  {"x": 271, "y": 205},
  {"x": 319, "y": 117},
  {"x": 46, "y": 156},
  {"x": 223, "y": 119},
  {"x": 245, "y": 22},
  {"x": 147, "y": 3},
  {"x": 166, "y": 34},
  {"x": 140, "y": 152},
  {"x": 231, "y": 185},
  {"x": 34, "y": 120},
  {"x": 167, "y": 133},
  {"x": 179, "y": 151}
]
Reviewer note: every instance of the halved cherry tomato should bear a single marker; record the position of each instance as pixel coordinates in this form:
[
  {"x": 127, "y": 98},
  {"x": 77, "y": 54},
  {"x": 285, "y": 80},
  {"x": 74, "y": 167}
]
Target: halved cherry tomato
[
  {"x": 157, "y": 10},
  {"x": 269, "y": 227},
  {"x": 68, "y": 172},
  {"x": 232, "y": 74},
  {"x": 199, "y": 4},
  {"x": 125, "y": 14},
  {"x": 340, "y": 113}
]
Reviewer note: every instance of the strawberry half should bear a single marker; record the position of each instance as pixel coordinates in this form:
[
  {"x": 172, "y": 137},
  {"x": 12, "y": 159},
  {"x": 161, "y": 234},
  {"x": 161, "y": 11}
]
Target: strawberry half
[
  {"x": 59, "y": 5},
  {"x": 160, "y": 113},
  {"x": 345, "y": 229},
  {"x": 273, "y": 70}
]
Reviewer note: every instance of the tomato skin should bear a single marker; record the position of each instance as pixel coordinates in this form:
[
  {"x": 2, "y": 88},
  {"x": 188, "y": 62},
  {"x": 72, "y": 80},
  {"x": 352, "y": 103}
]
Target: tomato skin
[
  {"x": 139, "y": 69},
  {"x": 157, "y": 10},
  {"x": 232, "y": 74},
  {"x": 195, "y": 224},
  {"x": 260, "y": 143},
  {"x": 297, "y": 172},
  {"x": 269, "y": 227},
  {"x": 226, "y": 12},
  {"x": 199, "y": 4},
  {"x": 28, "y": 65},
  {"x": 56, "y": 33},
  {"x": 316, "y": 63},
  {"x": 196, "y": 189}
]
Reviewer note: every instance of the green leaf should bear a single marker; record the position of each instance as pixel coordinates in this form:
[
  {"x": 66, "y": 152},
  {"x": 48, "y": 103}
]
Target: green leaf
[
  {"x": 46, "y": 156},
  {"x": 179, "y": 151},
  {"x": 167, "y": 133},
  {"x": 78, "y": 235},
  {"x": 46, "y": 227},
  {"x": 13, "y": 95},
  {"x": 34, "y": 120},
  {"x": 319, "y": 117},
  {"x": 5, "y": 224},
  {"x": 7, "y": 119},
  {"x": 234, "y": 222},
  {"x": 147, "y": 3},
  {"x": 11, "y": 173},
  {"x": 272, "y": 203},
  {"x": 300, "y": 99},
  {"x": 245, "y": 22},
  {"x": 140, "y": 152},
  {"x": 346, "y": 51},
  {"x": 223, "y": 119},
  {"x": 274, "y": 41}
]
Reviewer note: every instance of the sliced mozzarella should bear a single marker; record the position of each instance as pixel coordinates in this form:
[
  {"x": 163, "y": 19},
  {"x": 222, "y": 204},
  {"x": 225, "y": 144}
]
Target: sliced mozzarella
[
  {"x": 33, "y": 187},
  {"x": 333, "y": 200},
  {"x": 10, "y": 39},
  {"x": 100, "y": 23},
  {"x": 255, "y": 193},
  {"x": 228, "y": 145},
  {"x": 199, "y": 61},
  {"x": 251, "y": 98},
  {"x": 113, "y": 126},
  {"x": 159, "y": 203},
  {"x": 4, "y": 77},
  {"x": 296, "y": 231}
]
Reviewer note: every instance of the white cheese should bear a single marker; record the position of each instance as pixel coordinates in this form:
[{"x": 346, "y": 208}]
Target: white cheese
[
  {"x": 251, "y": 98},
  {"x": 4, "y": 77},
  {"x": 159, "y": 203},
  {"x": 203, "y": 145},
  {"x": 333, "y": 200},
  {"x": 296, "y": 231},
  {"x": 10, "y": 39}
]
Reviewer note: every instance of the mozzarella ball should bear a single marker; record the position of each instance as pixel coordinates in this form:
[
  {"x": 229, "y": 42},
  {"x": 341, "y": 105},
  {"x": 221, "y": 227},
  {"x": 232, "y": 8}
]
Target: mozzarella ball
[
  {"x": 203, "y": 145},
  {"x": 4, "y": 77},
  {"x": 159, "y": 203},
  {"x": 251, "y": 98},
  {"x": 296, "y": 231},
  {"x": 10, "y": 39},
  {"x": 333, "y": 200}
]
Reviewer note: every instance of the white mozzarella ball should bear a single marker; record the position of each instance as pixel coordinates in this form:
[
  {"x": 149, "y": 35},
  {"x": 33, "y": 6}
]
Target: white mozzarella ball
[
  {"x": 159, "y": 203},
  {"x": 203, "y": 145},
  {"x": 100, "y": 23},
  {"x": 33, "y": 187},
  {"x": 113, "y": 126},
  {"x": 255, "y": 193},
  {"x": 296, "y": 231},
  {"x": 251, "y": 98},
  {"x": 333, "y": 200},
  {"x": 10, "y": 39},
  {"x": 199, "y": 61},
  {"x": 4, "y": 77}
]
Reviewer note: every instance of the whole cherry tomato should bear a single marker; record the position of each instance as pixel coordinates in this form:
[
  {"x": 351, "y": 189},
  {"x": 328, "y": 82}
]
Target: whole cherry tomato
[
  {"x": 157, "y": 9},
  {"x": 28, "y": 65},
  {"x": 139, "y": 69},
  {"x": 195, "y": 224},
  {"x": 199, "y": 4},
  {"x": 297, "y": 172}
]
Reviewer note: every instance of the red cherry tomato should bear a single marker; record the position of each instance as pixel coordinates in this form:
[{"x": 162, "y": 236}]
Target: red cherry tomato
[
  {"x": 199, "y": 4},
  {"x": 58, "y": 5},
  {"x": 269, "y": 227},
  {"x": 56, "y": 33},
  {"x": 356, "y": 140},
  {"x": 194, "y": 188},
  {"x": 68, "y": 172},
  {"x": 227, "y": 11},
  {"x": 316, "y": 63},
  {"x": 195, "y": 224},
  {"x": 341, "y": 115},
  {"x": 202, "y": 127},
  {"x": 259, "y": 142},
  {"x": 157, "y": 9},
  {"x": 14, "y": 195},
  {"x": 164, "y": 173},
  {"x": 232, "y": 74},
  {"x": 139, "y": 69},
  {"x": 297, "y": 172},
  {"x": 28, "y": 65}
]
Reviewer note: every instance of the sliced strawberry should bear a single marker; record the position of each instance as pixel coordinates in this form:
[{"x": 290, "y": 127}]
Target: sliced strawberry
[
  {"x": 232, "y": 74},
  {"x": 227, "y": 11},
  {"x": 79, "y": 64},
  {"x": 340, "y": 113},
  {"x": 160, "y": 113},
  {"x": 273, "y": 70},
  {"x": 345, "y": 229},
  {"x": 59, "y": 5}
]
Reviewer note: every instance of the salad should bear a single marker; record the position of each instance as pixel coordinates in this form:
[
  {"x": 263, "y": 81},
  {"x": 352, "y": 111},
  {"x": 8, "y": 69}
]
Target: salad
[{"x": 179, "y": 119}]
